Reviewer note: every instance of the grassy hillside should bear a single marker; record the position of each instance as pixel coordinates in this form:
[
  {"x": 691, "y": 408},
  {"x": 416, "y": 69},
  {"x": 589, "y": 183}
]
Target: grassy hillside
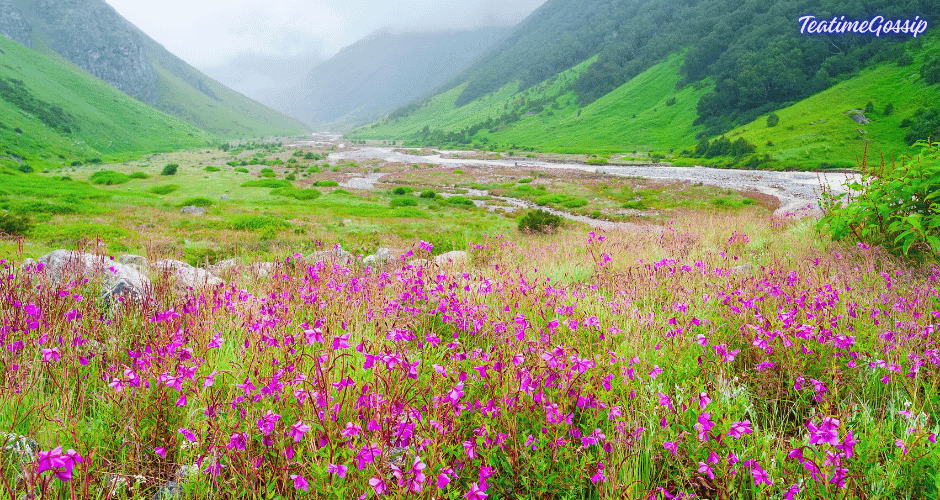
[
  {"x": 52, "y": 113},
  {"x": 819, "y": 129},
  {"x": 636, "y": 116}
]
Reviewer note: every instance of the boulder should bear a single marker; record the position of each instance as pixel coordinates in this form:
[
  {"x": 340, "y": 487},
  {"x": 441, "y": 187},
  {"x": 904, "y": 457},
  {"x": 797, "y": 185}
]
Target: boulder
[
  {"x": 137, "y": 262},
  {"x": 336, "y": 254},
  {"x": 224, "y": 266},
  {"x": 454, "y": 257},
  {"x": 186, "y": 275},
  {"x": 263, "y": 269},
  {"x": 224, "y": 197},
  {"x": 380, "y": 257},
  {"x": 193, "y": 210},
  {"x": 858, "y": 117},
  {"x": 418, "y": 262},
  {"x": 62, "y": 265}
]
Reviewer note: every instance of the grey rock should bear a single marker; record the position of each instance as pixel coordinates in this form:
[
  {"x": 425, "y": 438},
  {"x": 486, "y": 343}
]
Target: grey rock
[
  {"x": 193, "y": 210},
  {"x": 418, "y": 262},
  {"x": 263, "y": 269},
  {"x": 169, "y": 490},
  {"x": 21, "y": 446},
  {"x": 63, "y": 265},
  {"x": 224, "y": 266},
  {"x": 454, "y": 257},
  {"x": 337, "y": 255},
  {"x": 187, "y": 276},
  {"x": 858, "y": 116},
  {"x": 746, "y": 268},
  {"x": 224, "y": 197},
  {"x": 138, "y": 260},
  {"x": 13, "y": 25},
  {"x": 380, "y": 257}
]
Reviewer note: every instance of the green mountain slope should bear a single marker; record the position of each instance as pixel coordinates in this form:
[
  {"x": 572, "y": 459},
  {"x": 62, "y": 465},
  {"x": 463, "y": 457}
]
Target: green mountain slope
[
  {"x": 53, "y": 113},
  {"x": 94, "y": 37},
  {"x": 638, "y": 115}
]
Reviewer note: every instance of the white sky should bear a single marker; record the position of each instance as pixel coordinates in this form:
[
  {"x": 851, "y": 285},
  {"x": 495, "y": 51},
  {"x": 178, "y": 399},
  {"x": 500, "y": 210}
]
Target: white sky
[{"x": 208, "y": 33}]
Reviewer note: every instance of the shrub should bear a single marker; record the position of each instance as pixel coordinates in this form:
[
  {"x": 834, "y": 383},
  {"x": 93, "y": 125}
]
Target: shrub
[
  {"x": 869, "y": 108},
  {"x": 597, "y": 161},
  {"x": 457, "y": 171},
  {"x": 212, "y": 169},
  {"x": 268, "y": 173},
  {"x": 428, "y": 194},
  {"x": 139, "y": 175},
  {"x": 525, "y": 181},
  {"x": 198, "y": 201},
  {"x": 400, "y": 190},
  {"x": 925, "y": 127},
  {"x": 76, "y": 163},
  {"x": 574, "y": 203},
  {"x": 26, "y": 168},
  {"x": 773, "y": 120},
  {"x": 326, "y": 183},
  {"x": 164, "y": 190},
  {"x": 459, "y": 200},
  {"x": 539, "y": 221},
  {"x": 257, "y": 223},
  {"x": 241, "y": 170},
  {"x": 403, "y": 202},
  {"x": 671, "y": 101},
  {"x": 895, "y": 207},
  {"x": 889, "y": 108},
  {"x": 13, "y": 225},
  {"x": 108, "y": 178},
  {"x": 267, "y": 183},
  {"x": 297, "y": 194},
  {"x": 170, "y": 169}
]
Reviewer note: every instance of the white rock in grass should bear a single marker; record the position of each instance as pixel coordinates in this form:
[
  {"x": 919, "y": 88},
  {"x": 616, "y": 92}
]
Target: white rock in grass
[
  {"x": 61, "y": 266},
  {"x": 455, "y": 257},
  {"x": 186, "y": 275},
  {"x": 380, "y": 257}
]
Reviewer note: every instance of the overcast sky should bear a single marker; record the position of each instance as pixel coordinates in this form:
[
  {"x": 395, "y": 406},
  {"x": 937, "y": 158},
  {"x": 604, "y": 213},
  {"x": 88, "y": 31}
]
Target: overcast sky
[{"x": 208, "y": 33}]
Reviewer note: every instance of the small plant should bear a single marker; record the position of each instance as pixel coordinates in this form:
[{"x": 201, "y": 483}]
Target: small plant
[
  {"x": 889, "y": 109},
  {"x": 429, "y": 194},
  {"x": 297, "y": 194},
  {"x": 267, "y": 183},
  {"x": 869, "y": 108},
  {"x": 164, "y": 190},
  {"x": 597, "y": 161},
  {"x": 170, "y": 169},
  {"x": 139, "y": 175},
  {"x": 241, "y": 170},
  {"x": 539, "y": 221},
  {"x": 403, "y": 202},
  {"x": 402, "y": 190},
  {"x": 327, "y": 183},
  {"x": 671, "y": 101},
  {"x": 25, "y": 168},
  {"x": 198, "y": 201},
  {"x": 772, "y": 120},
  {"x": 108, "y": 178},
  {"x": 268, "y": 173},
  {"x": 14, "y": 225},
  {"x": 212, "y": 169}
]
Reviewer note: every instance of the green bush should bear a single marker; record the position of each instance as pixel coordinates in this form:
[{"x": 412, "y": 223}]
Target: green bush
[
  {"x": 108, "y": 178},
  {"x": 26, "y": 168},
  {"x": 164, "y": 190},
  {"x": 326, "y": 183},
  {"x": 634, "y": 205},
  {"x": 403, "y": 202},
  {"x": 458, "y": 171},
  {"x": 139, "y": 175},
  {"x": 242, "y": 170},
  {"x": 170, "y": 169},
  {"x": 267, "y": 183},
  {"x": 13, "y": 225},
  {"x": 428, "y": 194},
  {"x": 897, "y": 208},
  {"x": 400, "y": 190},
  {"x": 889, "y": 109},
  {"x": 459, "y": 200},
  {"x": 198, "y": 201},
  {"x": 297, "y": 194},
  {"x": 574, "y": 203},
  {"x": 268, "y": 173},
  {"x": 773, "y": 120},
  {"x": 257, "y": 223},
  {"x": 539, "y": 221},
  {"x": 525, "y": 181},
  {"x": 212, "y": 169},
  {"x": 597, "y": 161}
]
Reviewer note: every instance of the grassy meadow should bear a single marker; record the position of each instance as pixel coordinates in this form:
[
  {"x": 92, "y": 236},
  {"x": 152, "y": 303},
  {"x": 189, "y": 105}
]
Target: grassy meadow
[{"x": 718, "y": 351}]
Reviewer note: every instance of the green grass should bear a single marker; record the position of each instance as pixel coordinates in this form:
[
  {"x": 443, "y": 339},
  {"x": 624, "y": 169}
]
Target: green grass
[
  {"x": 96, "y": 120},
  {"x": 164, "y": 190},
  {"x": 109, "y": 177},
  {"x": 268, "y": 183}
]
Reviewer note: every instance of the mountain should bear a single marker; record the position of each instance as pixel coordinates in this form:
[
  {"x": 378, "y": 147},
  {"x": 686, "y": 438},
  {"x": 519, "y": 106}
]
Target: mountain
[
  {"x": 93, "y": 36},
  {"x": 624, "y": 75},
  {"x": 53, "y": 114},
  {"x": 382, "y": 72},
  {"x": 264, "y": 78}
]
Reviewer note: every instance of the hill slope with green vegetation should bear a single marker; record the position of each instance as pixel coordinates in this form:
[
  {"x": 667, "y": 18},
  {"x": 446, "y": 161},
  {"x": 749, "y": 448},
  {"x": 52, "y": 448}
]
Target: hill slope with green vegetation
[
  {"x": 674, "y": 74},
  {"x": 52, "y": 113},
  {"x": 93, "y": 36}
]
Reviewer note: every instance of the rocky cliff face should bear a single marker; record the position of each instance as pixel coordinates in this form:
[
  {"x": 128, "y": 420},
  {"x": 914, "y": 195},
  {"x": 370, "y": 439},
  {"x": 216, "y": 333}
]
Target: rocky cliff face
[{"x": 13, "y": 25}]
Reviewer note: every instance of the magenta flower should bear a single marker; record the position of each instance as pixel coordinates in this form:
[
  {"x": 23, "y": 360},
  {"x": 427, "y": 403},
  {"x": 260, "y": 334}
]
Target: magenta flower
[
  {"x": 187, "y": 434},
  {"x": 267, "y": 422},
  {"x": 672, "y": 446},
  {"x": 341, "y": 342},
  {"x": 760, "y": 475},
  {"x": 827, "y": 432},
  {"x": 298, "y": 430},
  {"x": 338, "y": 470},
  {"x": 300, "y": 482},
  {"x": 475, "y": 493},
  {"x": 705, "y": 469},
  {"x": 599, "y": 476},
  {"x": 443, "y": 480},
  {"x": 237, "y": 441},
  {"x": 655, "y": 372},
  {"x": 50, "y": 354},
  {"x": 739, "y": 429},
  {"x": 61, "y": 464},
  {"x": 160, "y": 451},
  {"x": 378, "y": 485}
]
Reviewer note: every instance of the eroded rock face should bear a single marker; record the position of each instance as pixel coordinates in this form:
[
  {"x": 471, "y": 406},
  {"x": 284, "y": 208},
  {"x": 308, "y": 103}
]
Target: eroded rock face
[
  {"x": 61, "y": 266},
  {"x": 13, "y": 25}
]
